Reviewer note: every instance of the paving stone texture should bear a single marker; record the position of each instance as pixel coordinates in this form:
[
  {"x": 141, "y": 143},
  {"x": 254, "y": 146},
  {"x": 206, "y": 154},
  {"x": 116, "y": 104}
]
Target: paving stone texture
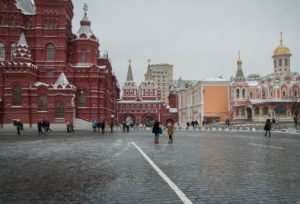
[{"x": 209, "y": 167}]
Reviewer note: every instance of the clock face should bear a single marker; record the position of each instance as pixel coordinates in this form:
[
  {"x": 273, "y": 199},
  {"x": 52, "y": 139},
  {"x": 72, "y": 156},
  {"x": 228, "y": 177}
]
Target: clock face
[{"x": 128, "y": 120}]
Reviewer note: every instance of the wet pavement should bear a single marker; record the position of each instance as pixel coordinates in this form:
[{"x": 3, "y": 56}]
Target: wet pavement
[{"x": 208, "y": 167}]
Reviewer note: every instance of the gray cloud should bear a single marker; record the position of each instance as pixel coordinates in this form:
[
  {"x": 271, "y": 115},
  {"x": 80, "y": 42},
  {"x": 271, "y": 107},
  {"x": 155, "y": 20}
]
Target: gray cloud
[{"x": 200, "y": 38}]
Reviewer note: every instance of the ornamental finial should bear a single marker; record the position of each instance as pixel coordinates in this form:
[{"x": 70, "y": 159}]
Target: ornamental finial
[
  {"x": 281, "y": 38},
  {"x": 85, "y": 8}
]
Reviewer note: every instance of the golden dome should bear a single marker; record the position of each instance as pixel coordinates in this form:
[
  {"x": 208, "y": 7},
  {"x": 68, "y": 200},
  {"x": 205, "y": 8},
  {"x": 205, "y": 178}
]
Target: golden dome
[{"x": 281, "y": 50}]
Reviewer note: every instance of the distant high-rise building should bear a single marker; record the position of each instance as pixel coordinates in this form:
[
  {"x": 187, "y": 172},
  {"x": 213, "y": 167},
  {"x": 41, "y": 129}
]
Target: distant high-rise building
[{"x": 162, "y": 74}]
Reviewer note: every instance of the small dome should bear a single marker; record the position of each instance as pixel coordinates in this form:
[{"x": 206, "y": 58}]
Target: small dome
[{"x": 281, "y": 50}]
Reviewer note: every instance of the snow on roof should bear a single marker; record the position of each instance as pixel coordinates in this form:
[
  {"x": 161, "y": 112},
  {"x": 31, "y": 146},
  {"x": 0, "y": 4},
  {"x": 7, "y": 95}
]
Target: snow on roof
[
  {"x": 22, "y": 40},
  {"x": 62, "y": 81},
  {"x": 173, "y": 110},
  {"x": 140, "y": 102},
  {"x": 84, "y": 29},
  {"x": 38, "y": 83},
  {"x": 276, "y": 100},
  {"x": 26, "y": 6},
  {"x": 252, "y": 83}
]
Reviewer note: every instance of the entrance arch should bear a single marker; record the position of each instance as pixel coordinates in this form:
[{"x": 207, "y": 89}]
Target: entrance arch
[
  {"x": 249, "y": 113},
  {"x": 149, "y": 120}
]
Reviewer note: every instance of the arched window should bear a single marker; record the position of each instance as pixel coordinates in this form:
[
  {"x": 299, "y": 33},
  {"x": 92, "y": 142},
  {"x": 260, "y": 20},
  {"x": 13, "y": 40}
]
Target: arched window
[
  {"x": 13, "y": 48},
  {"x": 83, "y": 56},
  {"x": 265, "y": 110},
  {"x": 59, "y": 110},
  {"x": 280, "y": 63},
  {"x": 13, "y": 20},
  {"x": 42, "y": 103},
  {"x": 17, "y": 96},
  {"x": 244, "y": 93},
  {"x": 275, "y": 65},
  {"x": 2, "y": 52},
  {"x": 82, "y": 99},
  {"x": 243, "y": 111},
  {"x": 50, "y": 55},
  {"x": 237, "y": 112},
  {"x": 237, "y": 95},
  {"x": 256, "y": 111}
]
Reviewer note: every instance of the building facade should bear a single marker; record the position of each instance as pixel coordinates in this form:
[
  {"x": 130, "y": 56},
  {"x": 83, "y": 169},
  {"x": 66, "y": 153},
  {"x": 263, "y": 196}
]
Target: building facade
[
  {"x": 163, "y": 76},
  {"x": 275, "y": 95},
  {"x": 46, "y": 71},
  {"x": 140, "y": 106},
  {"x": 207, "y": 101}
]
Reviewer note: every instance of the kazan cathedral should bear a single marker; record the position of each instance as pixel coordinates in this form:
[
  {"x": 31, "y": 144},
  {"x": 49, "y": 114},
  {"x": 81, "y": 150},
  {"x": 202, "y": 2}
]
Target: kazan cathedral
[
  {"x": 276, "y": 95},
  {"x": 46, "y": 71}
]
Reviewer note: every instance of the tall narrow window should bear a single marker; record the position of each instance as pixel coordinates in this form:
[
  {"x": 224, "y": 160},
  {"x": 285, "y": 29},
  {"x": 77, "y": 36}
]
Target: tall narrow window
[
  {"x": 1, "y": 20},
  {"x": 2, "y": 52},
  {"x": 13, "y": 48},
  {"x": 59, "y": 110},
  {"x": 43, "y": 103},
  {"x": 83, "y": 56},
  {"x": 12, "y": 20},
  {"x": 82, "y": 99},
  {"x": 275, "y": 64},
  {"x": 50, "y": 52},
  {"x": 286, "y": 62},
  {"x": 17, "y": 96},
  {"x": 237, "y": 93},
  {"x": 244, "y": 93},
  {"x": 280, "y": 62}
]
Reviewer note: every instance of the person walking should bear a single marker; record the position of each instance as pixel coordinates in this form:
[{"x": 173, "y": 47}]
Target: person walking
[
  {"x": 170, "y": 129},
  {"x": 156, "y": 130},
  {"x": 19, "y": 126},
  {"x": 103, "y": 126},
  {"x": 40, "y": 127},
  {"x": 111, "y": 127},
  {"x": 268, "y": 126},
  {"x": 94, "y": 126},
  {"x": 296, "y": 121}
]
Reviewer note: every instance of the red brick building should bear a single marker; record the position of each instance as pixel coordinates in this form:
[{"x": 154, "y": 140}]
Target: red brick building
[
  {"x": 140, "y": 105},
  {"x": 46, "y": 71}
]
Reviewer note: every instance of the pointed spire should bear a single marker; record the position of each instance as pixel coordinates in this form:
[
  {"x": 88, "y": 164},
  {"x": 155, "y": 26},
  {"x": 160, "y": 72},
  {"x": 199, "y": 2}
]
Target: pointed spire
[
  {"x": 22, "y": 40},
  {"x": 148, "y": 75},
  {"x": 281, "y": 44},
  {"x": 22, "y": 53},
  {"x": 239, "y": 73},
  {"x": 129, "y": 73},
  {"x": 85, "y": 24},
  {"x": 85, "y": 8}
]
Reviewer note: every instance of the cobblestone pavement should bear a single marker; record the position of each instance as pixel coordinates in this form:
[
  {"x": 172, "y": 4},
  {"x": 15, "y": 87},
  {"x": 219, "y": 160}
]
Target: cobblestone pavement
[{"x": 208, "y": 167}]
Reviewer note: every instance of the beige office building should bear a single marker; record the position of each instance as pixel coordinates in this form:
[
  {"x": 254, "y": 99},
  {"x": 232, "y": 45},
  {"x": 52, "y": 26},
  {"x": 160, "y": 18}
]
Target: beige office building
[{"x": 163, "y": 76}]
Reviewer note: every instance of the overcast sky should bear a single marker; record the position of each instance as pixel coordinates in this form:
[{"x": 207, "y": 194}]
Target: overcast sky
[{"x": 201, "y": 38}]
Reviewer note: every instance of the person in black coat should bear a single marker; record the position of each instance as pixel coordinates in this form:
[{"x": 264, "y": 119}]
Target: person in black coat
[{"x": 268, "y": 127}]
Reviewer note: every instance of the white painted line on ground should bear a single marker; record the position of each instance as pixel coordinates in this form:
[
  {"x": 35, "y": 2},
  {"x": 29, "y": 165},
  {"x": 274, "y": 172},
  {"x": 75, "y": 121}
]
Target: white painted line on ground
[
  {"x": 173, "y": 186},
  {"x": 266, "y": 146}
]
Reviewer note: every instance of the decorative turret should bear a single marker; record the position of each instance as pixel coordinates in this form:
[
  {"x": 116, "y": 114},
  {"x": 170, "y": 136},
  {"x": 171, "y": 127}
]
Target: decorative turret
[
  {"x": 239, "y": 76},
  {"x": 281, "y": 56},
  {"x": 148, "y": 88},
  {"x": 130, "y": 88},
  {"x": 22, "y": 53},
  {"x": 148, "y": 75},
  {"x": 85, "y": 30}
]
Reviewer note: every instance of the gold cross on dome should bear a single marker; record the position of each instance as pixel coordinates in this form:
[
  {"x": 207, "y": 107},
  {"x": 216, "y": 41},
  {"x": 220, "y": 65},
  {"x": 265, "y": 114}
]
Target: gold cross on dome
[{"x": 85, "y": 7}]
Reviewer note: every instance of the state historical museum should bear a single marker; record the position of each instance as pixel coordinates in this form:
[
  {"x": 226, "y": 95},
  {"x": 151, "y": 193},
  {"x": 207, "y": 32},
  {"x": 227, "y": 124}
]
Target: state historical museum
[{"x": 46, "y": 71}]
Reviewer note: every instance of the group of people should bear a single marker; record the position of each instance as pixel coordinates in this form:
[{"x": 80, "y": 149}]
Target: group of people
[
  {"x": 97, "y": 125},
  {"x": 70, "y": 127},
  {"x": 157, "y": 130},
  {"x": 194, "y": 124},
  {"x": 43, "y": 127}
]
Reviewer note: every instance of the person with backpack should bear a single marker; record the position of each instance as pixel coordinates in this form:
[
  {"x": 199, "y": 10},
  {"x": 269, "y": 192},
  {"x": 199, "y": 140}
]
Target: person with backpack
[{"x": 156, "y": 130}]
